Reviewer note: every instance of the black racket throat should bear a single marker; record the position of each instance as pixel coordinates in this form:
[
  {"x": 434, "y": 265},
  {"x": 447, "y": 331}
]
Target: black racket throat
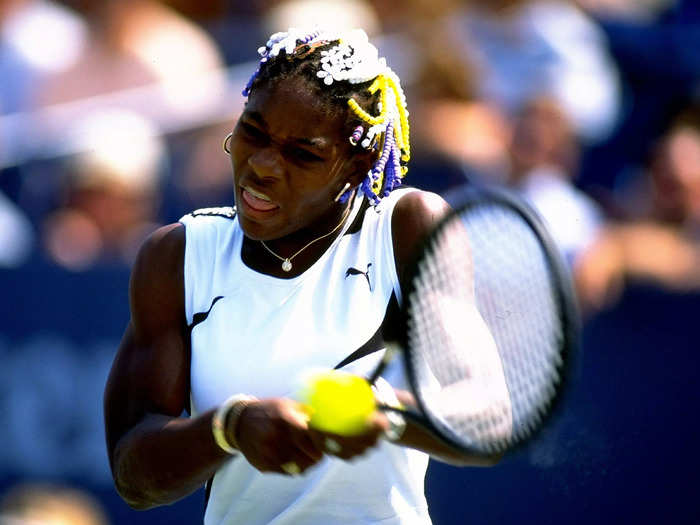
[{"x": 391, "y": 351}]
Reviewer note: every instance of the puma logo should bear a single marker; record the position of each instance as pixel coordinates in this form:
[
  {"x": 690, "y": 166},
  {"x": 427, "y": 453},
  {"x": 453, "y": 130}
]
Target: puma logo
[{"x": 355, "y": 271}]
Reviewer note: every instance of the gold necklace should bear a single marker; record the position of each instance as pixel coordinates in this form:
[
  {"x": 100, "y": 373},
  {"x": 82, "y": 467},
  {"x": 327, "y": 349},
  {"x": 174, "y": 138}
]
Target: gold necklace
[{"x": 287, "y": 262}]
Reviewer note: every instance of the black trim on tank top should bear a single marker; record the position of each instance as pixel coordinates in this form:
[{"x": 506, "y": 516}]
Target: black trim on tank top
[
  {"x": 200, "y": 317},
  {"x": 373, "y": 344}
]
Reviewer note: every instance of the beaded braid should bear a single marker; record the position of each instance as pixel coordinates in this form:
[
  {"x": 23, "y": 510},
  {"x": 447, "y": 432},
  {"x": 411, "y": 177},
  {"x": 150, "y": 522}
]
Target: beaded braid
[{"x": 350, "y": 57}]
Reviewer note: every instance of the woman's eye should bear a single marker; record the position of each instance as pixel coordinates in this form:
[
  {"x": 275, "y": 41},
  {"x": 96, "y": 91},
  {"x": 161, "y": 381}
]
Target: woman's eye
[
  {"x": 252, "y": 132},
  {"x": 305, "y": 155}
]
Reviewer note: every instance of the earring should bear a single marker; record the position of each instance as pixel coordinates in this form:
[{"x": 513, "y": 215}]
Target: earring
[
  {"x": 226, "y": 143},
  {"x": 341, "y": 192}
]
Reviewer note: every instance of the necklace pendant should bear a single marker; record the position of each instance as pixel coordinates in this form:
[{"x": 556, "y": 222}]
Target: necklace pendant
[{"x": 286, "y": 265}]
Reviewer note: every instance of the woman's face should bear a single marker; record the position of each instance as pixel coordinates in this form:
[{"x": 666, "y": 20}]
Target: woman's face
[{"x": 291, "y": 156}]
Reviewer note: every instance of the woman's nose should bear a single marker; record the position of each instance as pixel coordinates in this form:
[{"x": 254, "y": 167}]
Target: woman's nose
[{"x": 267, "y": 162}]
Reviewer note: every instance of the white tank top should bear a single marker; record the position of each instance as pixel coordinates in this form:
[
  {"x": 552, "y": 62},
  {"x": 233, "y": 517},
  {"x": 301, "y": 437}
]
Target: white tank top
[{"x": 257, "y": 334}]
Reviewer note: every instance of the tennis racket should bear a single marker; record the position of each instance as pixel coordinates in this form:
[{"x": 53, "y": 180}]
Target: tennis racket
[{"x": 488, "y": 326}]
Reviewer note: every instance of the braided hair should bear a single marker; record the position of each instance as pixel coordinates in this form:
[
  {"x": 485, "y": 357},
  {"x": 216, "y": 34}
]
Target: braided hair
[{"x": 345, "y": 69}]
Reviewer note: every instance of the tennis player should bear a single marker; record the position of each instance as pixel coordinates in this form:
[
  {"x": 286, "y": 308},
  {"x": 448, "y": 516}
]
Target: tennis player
[{"x": 230, "y": 306}]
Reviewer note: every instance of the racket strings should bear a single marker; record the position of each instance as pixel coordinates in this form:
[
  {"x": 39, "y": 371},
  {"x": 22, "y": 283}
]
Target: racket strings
[{"x": 486, "y": 329}]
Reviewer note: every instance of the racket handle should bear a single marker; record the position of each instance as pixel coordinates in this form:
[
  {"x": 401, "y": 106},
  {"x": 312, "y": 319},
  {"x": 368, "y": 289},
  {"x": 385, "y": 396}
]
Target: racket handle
[{"x": 391, "y": 350}]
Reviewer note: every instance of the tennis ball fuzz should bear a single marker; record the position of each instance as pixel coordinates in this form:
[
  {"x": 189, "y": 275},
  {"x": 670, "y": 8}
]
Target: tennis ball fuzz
[{"x": 338, "y": 402}]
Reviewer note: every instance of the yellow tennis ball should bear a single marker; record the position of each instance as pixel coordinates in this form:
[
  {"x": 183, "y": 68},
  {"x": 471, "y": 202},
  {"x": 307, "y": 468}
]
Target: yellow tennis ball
[{"x": 338, "y": 402}]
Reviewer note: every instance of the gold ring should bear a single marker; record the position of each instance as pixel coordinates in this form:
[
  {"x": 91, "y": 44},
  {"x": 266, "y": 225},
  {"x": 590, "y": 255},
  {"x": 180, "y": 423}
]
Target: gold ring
[
  {"x": 226, "y": 142},
  {"x": 291, "y": 468}
]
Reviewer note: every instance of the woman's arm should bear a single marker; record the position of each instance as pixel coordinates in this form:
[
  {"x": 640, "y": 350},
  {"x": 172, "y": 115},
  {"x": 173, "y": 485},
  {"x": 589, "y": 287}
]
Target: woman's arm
[
  {"x": 414, "y": 217},
  {"x": 156, "y": 456}
]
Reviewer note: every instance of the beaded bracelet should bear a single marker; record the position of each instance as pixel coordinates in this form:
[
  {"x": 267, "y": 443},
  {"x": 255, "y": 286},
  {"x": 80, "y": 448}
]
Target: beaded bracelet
[{"x": 228, "y": 413}]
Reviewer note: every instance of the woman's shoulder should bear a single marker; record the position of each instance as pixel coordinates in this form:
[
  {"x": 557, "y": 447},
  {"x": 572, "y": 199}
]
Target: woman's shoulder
[
  {"x": 415, "y": 214},
  {"x": 209, "y": 224},
  {"x": 419, "y": 205},
  {"x": 164, "y": 244},
  {"x": 160, "y": 259}
]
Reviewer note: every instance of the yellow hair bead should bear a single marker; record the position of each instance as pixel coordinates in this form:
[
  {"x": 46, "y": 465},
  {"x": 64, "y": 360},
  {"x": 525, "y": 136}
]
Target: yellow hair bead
[
  {"x": 376, "y": 84},
  {"x": 402, "y": 126},
  {"x": 387, "y": 86},
  {"x": 363, "y": 115},
  {"x": 379, "y": 83}
]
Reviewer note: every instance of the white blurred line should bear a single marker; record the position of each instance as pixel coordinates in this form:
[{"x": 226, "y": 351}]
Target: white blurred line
[{"x": 173, "y": 106}]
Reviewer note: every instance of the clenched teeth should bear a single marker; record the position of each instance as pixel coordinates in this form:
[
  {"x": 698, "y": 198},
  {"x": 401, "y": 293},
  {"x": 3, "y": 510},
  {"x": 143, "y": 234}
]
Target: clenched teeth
[{"x": 257, "y": 194}]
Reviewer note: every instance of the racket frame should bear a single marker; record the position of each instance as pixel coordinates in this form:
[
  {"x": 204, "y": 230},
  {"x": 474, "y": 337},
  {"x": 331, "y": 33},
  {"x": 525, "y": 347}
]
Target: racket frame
[{"x": 396, "y": 336}]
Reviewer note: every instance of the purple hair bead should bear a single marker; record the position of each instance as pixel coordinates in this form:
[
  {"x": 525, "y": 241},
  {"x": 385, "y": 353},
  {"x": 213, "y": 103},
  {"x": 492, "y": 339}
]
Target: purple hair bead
[
  {"x": 308, "y": 38},
  {"x": 367, "y": 190},
  {"x": 389, "y": 174},
  {"x": 357, "y": 135},
  {"x": 388, "y": 164},
  {"x": 249, "y": 85},
  {"x": 389, "y": 141},
  {"x": 392, "y": 174},
  {"x": 396, "y": 179}
]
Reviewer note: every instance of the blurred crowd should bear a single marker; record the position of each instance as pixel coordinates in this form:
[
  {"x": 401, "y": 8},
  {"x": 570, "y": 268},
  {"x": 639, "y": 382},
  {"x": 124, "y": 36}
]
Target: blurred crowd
[{"x": 112, "y": 114}]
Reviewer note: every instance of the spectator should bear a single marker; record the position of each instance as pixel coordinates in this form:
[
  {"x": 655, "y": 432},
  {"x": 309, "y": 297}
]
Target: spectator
[
  {"x": 654, "y": 43},
  {"x": 137, "y": 42},
  {"x": 25, "y": 57},
  {"x": 109, "y": 203},
  {"x": 452, "y": 130},
  {"x": 479, "y": 63},
  {"x": 36, "y": 504},
  {"x": 543, "y": 162},
  {"x": 521, "y": 49},
  {"x": 661, "y": 246},
  {"x": 457, "y": 139}
]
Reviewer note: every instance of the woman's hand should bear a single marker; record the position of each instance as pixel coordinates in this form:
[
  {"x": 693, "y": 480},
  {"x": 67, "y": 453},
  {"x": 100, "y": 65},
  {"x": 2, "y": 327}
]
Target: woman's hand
[
  {"x": 274, "y": 434},
  {"x": 349, "y": 447}
]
